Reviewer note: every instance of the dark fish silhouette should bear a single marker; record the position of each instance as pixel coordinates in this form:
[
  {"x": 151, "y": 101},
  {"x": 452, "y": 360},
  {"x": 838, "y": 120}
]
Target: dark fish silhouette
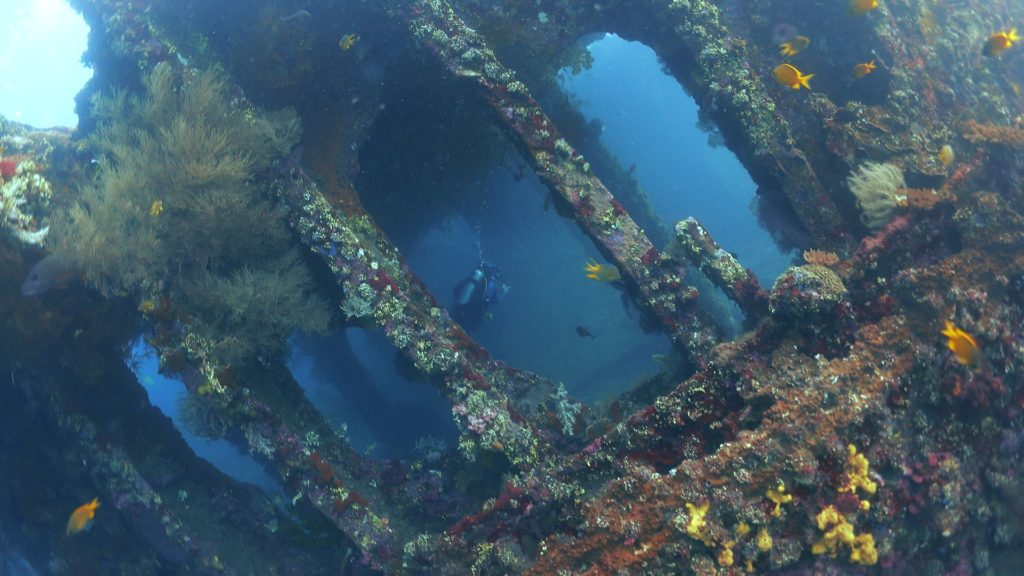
[
  {"x": 584, "y": 332},
  {"x": 49, "y": 273}
]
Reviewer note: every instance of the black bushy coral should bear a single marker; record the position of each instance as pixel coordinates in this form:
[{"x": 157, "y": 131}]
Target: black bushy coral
[
  {"x": 177, "y": 210},
  {"x": 249, "y": 303}
]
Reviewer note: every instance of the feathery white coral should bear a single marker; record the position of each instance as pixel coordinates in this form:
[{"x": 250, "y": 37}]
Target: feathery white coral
[
  {"x": 876, "y": 186},
  {"x": 566, "y": 410}
]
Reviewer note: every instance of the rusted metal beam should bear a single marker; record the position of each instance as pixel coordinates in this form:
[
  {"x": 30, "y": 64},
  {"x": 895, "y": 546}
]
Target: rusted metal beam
[{"x": 722, "y": 268}]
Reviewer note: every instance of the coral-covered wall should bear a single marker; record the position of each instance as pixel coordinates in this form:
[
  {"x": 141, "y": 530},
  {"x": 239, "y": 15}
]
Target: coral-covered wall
[{"x": 870, "y": 417}]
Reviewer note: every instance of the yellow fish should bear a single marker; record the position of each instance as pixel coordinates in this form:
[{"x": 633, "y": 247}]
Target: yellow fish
[
  {"x": 794, "y": 46},
  {"x": 863, "y": 69},
  {"x": 147, "y": 306},
  {"x": 156, "y": 208},
  {"x": 946, "y": 155},
  {"x": 860, "y": 7},
  {"x": 82, "y": 517},
  {"x": 962, "y": 345},
  {"x": 1001, "y": 42},
  {"x": 787, "y": 75},
  {"x": 602, "y": 272},
  {"x": 348, "y": 40}
]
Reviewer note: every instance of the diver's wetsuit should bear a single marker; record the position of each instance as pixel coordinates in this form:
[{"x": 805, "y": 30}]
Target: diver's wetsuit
[{"x": 475, "y": 294}]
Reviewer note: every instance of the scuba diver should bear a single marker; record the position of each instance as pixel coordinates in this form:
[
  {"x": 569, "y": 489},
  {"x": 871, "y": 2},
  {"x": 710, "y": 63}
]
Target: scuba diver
[{"x": 475, "y": 294}]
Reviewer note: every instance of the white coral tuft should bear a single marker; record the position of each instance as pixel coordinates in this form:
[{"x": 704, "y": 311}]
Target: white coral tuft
[
  {"x": 876, "y": 187},
  {"x": 566, "y": 410}
]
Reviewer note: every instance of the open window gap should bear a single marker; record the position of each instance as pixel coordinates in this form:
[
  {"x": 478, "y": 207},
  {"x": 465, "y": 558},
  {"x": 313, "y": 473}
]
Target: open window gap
[
  {"x": 363, "y": 386},
  {"x": 451, "y": 192},
  {"x": 168, "y": 394},
  {"x": 41, "y": 69},
  {"x": 652, "y": 126}
]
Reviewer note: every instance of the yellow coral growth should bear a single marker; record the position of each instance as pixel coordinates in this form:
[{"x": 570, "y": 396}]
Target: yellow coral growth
[
  {"x": 742, "y": 529},
  {"x": 764, "y": 540},
  {"x": 862, "y": 550},
  {"x": 725, "y": 558},
  {"x": 838, "y": 532},
  {"x": 779, "y": 497},
  {"x": 698, "y": 521},
  {"x": 857, "y": 473}
]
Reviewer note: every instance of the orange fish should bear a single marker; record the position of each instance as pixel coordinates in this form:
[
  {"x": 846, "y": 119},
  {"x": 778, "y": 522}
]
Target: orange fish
[
  {"x": 863, "y": 69},
  {"x": 946, "y": 155},
  {"x": 787, "y": 75},
  {"x": 794, "y": 46},
  {"x": 82, "y": 517},
  {"x": 1001, "y": 42},
  {"x": 601, "y": 272},
  {"x": 962, "y": 345},
  {"x": 860, "y": 7}
]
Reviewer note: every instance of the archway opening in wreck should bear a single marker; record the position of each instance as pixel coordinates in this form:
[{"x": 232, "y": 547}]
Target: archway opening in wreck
[
  {"x": 168, "y": 394},
  {"x": 356, "y": 378},
  {"x": 667, "y": 152},
  {"x": 42, "y": 95},
  {"x": 450, "y": 190}
]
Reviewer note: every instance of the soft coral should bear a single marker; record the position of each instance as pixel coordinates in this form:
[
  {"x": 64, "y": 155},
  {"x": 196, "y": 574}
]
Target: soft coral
[{"x": 8, "y": 166}]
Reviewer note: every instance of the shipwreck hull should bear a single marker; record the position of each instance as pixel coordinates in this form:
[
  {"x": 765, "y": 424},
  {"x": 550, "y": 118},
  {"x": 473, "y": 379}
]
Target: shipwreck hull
[{"x": 838, "y": 433}]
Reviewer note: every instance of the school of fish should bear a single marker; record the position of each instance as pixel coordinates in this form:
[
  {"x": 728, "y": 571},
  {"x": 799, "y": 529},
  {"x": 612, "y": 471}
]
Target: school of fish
[{"x": 791, "y": 76}]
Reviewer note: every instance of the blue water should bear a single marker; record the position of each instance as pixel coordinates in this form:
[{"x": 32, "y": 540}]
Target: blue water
[
  {"x": 541, "y": 256},
  {"x": 165, "y": 393},
  {"x": 353, "y": 379},
  {"x": 41, "y": 69},
  {"x": 651, "y": 121}
]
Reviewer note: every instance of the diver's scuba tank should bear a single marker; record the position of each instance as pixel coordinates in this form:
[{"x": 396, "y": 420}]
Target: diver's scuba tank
[{"x": 471, "y": 288}]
